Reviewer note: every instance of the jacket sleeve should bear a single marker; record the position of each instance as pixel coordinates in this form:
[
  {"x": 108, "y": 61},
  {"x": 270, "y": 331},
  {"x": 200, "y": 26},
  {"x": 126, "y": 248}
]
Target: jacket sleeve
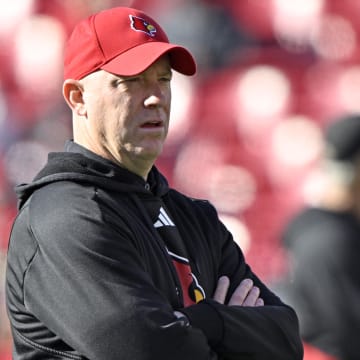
[
  {"x": 87, "y": 284},
  {"x": 268, "y": 332}
]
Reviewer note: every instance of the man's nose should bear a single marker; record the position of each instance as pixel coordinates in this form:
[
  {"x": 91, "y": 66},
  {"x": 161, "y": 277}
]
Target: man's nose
[
  {"x": 155, "y": 95},
  {"x": 153, "y": 100}
]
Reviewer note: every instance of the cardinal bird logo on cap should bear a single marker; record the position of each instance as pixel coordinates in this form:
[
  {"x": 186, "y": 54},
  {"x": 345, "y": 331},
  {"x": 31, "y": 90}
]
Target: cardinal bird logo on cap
[{"x": 139, "y": 24}]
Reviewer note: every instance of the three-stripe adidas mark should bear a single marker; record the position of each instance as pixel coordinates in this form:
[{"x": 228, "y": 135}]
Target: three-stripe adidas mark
[{"x": 163, "y": 219}]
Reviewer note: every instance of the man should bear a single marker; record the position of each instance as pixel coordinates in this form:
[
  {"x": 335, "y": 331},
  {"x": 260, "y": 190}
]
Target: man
[
  {"x": 105, "y": 260},
  {"x": 323, "y": 284}
]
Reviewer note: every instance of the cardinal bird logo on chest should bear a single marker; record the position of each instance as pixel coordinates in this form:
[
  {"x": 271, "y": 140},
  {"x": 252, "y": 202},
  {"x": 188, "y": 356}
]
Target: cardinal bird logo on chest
[{"x": 191, "y": 289}]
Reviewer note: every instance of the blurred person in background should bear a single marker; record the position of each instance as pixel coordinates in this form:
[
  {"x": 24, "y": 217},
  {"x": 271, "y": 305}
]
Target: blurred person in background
[
  {"x": 323, "y": 242},
  {"x": 105, "y": 261}
]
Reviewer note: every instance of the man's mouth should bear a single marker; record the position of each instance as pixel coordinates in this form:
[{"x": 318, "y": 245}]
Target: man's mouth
[{"x": 152, "y": 124}]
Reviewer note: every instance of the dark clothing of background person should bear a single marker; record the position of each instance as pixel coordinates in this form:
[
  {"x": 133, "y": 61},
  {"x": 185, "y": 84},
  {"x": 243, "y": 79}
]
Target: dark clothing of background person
[
  {"x": 323, "y": 242},
  {"x": 324, "y": 285},
  {"x": 95, "y": 271}
]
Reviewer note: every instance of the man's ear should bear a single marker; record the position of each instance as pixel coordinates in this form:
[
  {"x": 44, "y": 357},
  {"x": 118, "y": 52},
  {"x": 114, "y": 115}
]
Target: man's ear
[{"x": 73, "y": 93}]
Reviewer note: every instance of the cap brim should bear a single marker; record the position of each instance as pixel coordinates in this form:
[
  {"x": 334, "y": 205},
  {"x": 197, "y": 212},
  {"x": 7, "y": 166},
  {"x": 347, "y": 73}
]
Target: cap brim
[{"x": 139, "y": 58}]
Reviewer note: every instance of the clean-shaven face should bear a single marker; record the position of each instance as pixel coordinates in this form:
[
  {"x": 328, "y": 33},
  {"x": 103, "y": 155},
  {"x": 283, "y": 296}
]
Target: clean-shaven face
[{"x": 128, "y": 117}]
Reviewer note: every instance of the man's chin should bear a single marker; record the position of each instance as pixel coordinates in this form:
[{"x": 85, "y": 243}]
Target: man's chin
[{"x": 149, "y": 153}]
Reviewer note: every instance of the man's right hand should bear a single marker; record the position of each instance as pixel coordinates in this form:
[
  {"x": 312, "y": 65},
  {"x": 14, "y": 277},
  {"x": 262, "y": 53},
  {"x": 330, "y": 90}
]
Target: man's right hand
[{"x": 246, "y": 294}]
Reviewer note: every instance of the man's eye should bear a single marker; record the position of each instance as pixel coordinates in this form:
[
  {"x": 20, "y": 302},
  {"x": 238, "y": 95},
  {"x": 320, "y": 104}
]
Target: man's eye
[
  {"x": 124, "y": 81},
  {"x": 165, "y": 79}
]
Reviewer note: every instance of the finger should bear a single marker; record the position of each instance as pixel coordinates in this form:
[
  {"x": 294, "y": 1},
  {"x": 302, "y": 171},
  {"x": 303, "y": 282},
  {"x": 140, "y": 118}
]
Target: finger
[
  {"x": 241, "y": 292},
  {"x": 252, "y": 296},
  {"x": 259, "y": 302},
  {"x": 221, "y": 289}
]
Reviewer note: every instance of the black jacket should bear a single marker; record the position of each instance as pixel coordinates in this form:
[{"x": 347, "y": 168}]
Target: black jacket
[
  {"x": 99, "y": 260},
  {"x": 324, "y": 282}
]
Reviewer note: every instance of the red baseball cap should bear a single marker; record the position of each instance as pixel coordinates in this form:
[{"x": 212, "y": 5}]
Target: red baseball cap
[{"x": 123, "y": 41}]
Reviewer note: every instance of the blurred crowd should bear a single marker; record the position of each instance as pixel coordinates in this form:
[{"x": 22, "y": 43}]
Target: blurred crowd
[{"x": 245, "y": 132}]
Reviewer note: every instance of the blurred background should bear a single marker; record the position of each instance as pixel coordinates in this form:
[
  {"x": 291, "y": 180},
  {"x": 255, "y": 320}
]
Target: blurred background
[{"x": 246, "y": 131}]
